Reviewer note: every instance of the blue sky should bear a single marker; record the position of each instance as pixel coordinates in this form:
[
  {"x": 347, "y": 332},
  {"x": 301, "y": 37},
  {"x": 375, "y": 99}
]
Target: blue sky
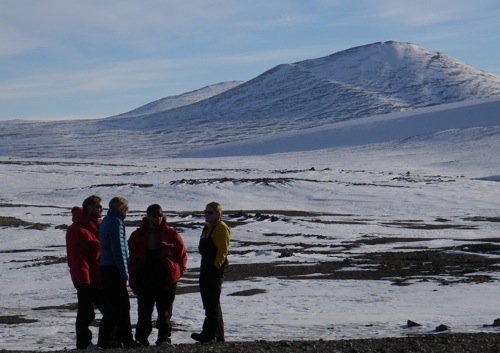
[{"x": 71, "y": 59}]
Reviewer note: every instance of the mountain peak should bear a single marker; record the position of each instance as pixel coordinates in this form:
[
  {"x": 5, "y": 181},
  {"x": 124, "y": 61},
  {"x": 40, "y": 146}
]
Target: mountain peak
[
  {"x": 404, "y": 73},
  {"x": 364, "y": 81}
]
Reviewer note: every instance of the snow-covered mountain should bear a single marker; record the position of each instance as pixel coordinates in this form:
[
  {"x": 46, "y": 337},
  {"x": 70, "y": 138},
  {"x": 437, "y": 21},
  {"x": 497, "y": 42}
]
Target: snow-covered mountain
[
  {"x": 181, "y": 100},
  {"x": 370, "y": 80}
]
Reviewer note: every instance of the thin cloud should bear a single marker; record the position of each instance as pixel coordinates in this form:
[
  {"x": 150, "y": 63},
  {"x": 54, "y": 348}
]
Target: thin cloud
[
  {"x": 429, "y": 12},
  {"x": 121, "y": 20},
  {"x": 134, "y": 75}
]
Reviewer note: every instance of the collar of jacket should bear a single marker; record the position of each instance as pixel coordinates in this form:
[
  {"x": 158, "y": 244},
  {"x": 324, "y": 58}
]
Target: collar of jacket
[
  {"x": 145, "y": 223},
  {"x": 115, "y": 214}
]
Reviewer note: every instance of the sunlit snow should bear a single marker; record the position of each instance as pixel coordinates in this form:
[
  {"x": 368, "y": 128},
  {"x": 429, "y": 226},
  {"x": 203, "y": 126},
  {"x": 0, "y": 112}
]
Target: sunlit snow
[{"x": 338, "y": 194}]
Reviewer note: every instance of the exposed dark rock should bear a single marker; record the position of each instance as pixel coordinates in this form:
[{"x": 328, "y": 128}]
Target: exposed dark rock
[
  {"x": 412, "y": 324},
  {"x": 442, "y": 328},
  {"x": 15, "y": 320}
]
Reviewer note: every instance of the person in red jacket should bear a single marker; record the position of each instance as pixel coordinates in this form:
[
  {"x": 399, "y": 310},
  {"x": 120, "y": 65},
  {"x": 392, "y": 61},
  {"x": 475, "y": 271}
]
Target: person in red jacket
[
  {"x": 157, "y": 261},
  {"x": 83, "y": 253}
]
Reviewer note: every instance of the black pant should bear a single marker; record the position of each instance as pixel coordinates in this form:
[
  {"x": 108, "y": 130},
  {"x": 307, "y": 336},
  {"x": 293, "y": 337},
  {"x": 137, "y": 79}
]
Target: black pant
[
  {"x": 88, "y": 297},
  {"x": 115, "y": 324},
  {"x": 146, "y": 300},
  {"x": 210, "y": 289}
]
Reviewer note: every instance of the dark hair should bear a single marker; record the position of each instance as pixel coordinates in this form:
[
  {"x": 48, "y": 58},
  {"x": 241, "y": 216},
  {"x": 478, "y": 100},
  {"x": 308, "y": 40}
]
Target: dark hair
[
  {"x": 90, "y": 201},
  {"x": 154, "y": 210}
]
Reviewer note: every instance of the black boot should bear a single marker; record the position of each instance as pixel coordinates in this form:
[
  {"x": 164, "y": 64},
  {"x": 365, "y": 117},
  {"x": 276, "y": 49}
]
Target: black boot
[{"x": 202, "y": 337}]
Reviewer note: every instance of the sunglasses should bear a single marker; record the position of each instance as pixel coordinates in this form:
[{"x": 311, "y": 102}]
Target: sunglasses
[{"x": 209, "y": 212}]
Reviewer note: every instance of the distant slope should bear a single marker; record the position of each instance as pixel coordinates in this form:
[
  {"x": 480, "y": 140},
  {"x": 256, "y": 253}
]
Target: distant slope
[
  {"x": 476, "y": 119},
  {"x": 181, "y": 100},
  {"x": 357, "y": 83}
]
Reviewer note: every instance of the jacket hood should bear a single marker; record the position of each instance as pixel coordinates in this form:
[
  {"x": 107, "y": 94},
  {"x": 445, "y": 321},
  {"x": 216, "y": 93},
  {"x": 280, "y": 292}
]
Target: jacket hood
[{"x": 79, "y": 216}]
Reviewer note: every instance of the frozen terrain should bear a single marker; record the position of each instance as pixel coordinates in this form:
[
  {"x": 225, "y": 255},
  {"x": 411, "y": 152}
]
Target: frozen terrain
[{"x": 438, "y": 192}]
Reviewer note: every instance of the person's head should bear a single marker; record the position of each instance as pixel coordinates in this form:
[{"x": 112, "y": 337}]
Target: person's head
[
  {"x": 92, "y": 207},
  {"x": 119, "y": 205},
  {"x": 155, "y": 215},
  {"x": 213, "y": 212}
]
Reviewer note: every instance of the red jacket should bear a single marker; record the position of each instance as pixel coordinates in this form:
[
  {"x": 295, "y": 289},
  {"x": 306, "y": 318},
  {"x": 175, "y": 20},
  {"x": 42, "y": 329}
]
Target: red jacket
[
  {"x": 172, "y": 253},
  {"x": 83, "y": 250}
]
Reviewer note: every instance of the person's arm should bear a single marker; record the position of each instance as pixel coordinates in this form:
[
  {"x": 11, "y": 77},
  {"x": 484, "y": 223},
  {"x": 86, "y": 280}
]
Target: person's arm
[
  {"x": 76, "y": 250},
  {"x": 181, "y": 254},
  {"x": 117, "y": 248},
  {"x": 133, "y": 266},
  {"x": 221, "y": 238},
  {"x": 172, "y": 247}
]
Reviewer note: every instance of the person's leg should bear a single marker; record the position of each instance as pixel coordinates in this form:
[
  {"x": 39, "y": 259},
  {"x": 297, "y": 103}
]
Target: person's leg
[
  {"x": 107, "y": 328},
  {"x": 210, "y": 290},
  {"x": 145, "y": 305},
  {"x": 121, "y": 311},
  {"x": 84, "y": 317},
  {"x": 98, "y": 298},
  {"x": 164, "y": 307},
  {"x": 216, "y": 307},
  {"x": 212, "y": 326},
  {"x": 219, "y": 330}
]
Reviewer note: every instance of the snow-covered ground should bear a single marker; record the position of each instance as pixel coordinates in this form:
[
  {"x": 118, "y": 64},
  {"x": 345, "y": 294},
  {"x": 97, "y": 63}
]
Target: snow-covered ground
[
  {"x": 346, "y": 184},
  {"x": 339, "y": 194}
]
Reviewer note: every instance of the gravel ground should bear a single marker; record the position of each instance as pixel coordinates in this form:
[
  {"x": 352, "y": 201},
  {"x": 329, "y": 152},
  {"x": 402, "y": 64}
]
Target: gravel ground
[{"x": 436, "y": 343}]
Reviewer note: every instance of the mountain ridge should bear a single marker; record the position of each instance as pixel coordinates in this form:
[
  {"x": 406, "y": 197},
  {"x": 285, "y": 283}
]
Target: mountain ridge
[
  {"x": 374, "y": 79},
  {"x": 183, "y": 99},
  {"x": 384, "y": 75}
]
